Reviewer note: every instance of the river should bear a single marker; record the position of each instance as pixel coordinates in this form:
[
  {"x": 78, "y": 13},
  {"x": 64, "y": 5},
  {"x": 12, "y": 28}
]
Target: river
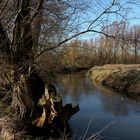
[{"x": 99, "y": 107}]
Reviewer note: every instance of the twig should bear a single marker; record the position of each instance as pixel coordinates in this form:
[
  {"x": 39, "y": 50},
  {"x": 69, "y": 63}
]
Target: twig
[
  {"x": 89, "y": 123},
  {"x": 98, "y": 133},
  {"x": 2, "y": 9}
]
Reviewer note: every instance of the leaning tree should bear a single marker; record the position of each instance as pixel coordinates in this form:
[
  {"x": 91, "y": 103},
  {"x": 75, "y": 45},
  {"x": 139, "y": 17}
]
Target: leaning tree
[{"x": 28, "y": 28}]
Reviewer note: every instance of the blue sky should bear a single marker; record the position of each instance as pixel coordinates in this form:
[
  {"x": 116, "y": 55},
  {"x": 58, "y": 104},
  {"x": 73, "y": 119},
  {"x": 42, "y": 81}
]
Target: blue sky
[{"x": 131, "y": 14}]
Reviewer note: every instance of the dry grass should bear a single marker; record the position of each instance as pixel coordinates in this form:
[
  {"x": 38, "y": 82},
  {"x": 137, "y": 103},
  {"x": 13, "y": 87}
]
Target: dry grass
[
  {"x": 14, "y": 129},
  {"x": 121, "y": 77},
  {"x": 119, "y": 66},
  {"x": 11, "y": 128}
]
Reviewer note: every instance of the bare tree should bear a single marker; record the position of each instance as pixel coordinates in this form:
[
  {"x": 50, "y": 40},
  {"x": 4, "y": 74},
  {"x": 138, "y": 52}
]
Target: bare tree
[
  {"x": 135, "y": 42},
  {"x": 29, "y": 28}
]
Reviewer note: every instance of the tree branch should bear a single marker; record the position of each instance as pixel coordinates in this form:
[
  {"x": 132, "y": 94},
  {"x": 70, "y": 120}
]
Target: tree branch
[
  {"x": 2, "y": 9},
  {"x": 4, "y": 42},
  {"x": 68, "y": 39},
  {"x": 39, "y": 6},
  {"x": 104, "y": 12}
]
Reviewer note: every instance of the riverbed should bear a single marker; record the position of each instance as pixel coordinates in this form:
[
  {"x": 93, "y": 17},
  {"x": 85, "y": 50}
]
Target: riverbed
[{"x": 99, "y": 107}]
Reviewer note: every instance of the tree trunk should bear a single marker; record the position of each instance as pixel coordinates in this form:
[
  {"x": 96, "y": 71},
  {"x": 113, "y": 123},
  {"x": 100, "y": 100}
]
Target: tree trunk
[
  {"x": 26, "y": 84},
  {"x": 5, "y": 50}
]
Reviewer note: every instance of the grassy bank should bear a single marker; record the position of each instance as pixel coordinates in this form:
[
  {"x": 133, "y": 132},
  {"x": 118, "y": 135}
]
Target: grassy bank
[{"x": 120, "y": 77}]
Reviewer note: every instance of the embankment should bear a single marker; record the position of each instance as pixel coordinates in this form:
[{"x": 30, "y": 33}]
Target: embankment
[{"x": 124, "y": 78}]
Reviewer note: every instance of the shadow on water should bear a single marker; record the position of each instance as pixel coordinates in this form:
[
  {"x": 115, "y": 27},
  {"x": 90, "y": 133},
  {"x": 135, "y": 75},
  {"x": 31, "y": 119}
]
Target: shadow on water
[{"x": 101, "y": 103}]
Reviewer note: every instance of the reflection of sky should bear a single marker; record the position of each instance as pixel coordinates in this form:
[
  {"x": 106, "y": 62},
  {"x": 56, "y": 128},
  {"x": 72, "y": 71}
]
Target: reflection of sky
[{"x": 104, "y": 105}]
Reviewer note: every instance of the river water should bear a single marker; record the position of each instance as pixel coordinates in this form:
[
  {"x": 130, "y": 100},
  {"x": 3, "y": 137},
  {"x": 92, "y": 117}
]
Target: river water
[{"x": 99, "y": 107}]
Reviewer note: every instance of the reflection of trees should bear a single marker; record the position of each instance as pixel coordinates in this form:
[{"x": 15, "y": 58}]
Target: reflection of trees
[
  {"x": 77, "y": 85},
  {"x": 114, "y": 103},
  {"x": 74, "y": 85}
]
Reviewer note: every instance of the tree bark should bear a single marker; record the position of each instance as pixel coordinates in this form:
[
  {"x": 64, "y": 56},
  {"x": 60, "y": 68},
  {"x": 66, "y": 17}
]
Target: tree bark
[
  {"x": 27, "y": 86},
  {"x": 5, "y": 50}
]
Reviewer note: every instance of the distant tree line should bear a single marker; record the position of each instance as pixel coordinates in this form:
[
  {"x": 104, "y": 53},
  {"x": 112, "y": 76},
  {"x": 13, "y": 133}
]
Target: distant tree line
[{"x": 123, "y": 48}]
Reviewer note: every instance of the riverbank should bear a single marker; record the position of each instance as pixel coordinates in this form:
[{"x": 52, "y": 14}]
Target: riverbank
[{"x": 124, "y": 78}]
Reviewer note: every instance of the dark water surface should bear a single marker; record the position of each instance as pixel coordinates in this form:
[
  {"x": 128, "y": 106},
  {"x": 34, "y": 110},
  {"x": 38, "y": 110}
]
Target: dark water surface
[{"x": 100, "y": 106}]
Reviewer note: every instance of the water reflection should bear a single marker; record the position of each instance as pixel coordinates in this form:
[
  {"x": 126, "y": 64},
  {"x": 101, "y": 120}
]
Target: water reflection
[
  {"x": 74, "y": 85},
  {"x": 101, "y": 103},
  {"x": 115, "y": 105},
  {"x": 78, "y": 86}
]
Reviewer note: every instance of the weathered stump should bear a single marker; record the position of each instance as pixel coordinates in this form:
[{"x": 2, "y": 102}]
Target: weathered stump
[
  {"x": 64, "y": 113},
  {"x": 60, "y": 122}
]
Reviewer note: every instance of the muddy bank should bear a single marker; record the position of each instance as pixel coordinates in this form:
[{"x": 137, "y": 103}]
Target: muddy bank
[{"x": 125, "y": 78}]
